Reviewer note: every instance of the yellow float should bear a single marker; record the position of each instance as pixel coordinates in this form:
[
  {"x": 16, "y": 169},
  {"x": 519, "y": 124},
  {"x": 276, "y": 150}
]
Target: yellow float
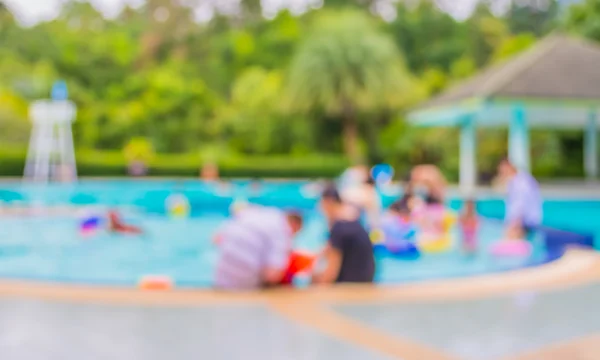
[
  {"x": 180, "y": 210},
  {"x": 437, "y": 243},
  {"x": 178, "y": 206},
  {"x": 377, "y": 237}
]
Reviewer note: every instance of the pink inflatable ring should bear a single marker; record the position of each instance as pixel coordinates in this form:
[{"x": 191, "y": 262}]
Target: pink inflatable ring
[{"x": 512, "y": 248}]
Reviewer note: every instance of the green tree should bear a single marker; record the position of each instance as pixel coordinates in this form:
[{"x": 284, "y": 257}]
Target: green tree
[
  {"x": 513, "y": 45},
  {"x": 537, "y": 18},
  {"x": 6, "y": 20},
  {"x": 486, "y": 33},
  {"x": 447, "y": 40},
  {"x": 584, "y": 18},
  {"x": 463, "y": 68},
  {"x": 249, "y": 121},
  {"x": 346, "y": 68}
]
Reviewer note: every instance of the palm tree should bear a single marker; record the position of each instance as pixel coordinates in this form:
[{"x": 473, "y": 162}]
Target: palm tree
[{"x": 347, "y": 68}]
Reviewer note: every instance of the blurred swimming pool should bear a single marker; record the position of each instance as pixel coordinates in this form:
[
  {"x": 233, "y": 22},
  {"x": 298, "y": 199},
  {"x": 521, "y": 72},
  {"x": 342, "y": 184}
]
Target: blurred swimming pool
[{"x": 51, "y": 247}]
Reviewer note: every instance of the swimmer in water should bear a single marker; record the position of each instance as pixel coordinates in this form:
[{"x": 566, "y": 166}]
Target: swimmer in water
[
  {"x": 177, "y": 204},
  {"x": 404, "y": 228},
  {"x": 401, "y": 209},
  {"x": 313, "y": 189},
  {"x": 469, "y": 224},
  {"x": 116, "y": 225},
  {"x": 209, "y": 172},
  {"x": 365, "y": 201},
  {"x": 354, "y": 175},
  {"x": 255, "y": 185},
  {"x": 413, "y": 202},
  {"x": 431, "y": 178}
]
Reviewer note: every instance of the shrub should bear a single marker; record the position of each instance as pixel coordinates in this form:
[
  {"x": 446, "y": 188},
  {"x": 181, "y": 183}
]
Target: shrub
[
  {"x": 113, "y": 163},
  {"x": 138, "y": 149}
]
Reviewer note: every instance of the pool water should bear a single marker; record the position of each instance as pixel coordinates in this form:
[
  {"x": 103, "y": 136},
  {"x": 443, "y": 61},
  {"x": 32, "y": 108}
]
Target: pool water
[{"x": 51, "y": 247}]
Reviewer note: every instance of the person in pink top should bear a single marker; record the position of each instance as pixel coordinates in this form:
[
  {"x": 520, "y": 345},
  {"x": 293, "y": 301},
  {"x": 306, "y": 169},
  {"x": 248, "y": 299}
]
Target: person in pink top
[
  {"x": 428, "y": 183},
  {"x": 430, "y": 219},
  {"x": 469, "y": 224}
]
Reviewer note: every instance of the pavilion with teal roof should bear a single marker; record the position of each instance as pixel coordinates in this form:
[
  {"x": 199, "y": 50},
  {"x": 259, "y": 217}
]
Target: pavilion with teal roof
[{"x": 553, "y": 85}]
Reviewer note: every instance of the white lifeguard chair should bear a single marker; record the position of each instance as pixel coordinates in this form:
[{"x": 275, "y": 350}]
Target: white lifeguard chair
[{"x": 51, "y": 155}]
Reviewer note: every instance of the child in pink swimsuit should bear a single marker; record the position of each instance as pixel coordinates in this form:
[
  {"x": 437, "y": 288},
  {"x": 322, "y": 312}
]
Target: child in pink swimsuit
[{"x": 469, "y": 224}]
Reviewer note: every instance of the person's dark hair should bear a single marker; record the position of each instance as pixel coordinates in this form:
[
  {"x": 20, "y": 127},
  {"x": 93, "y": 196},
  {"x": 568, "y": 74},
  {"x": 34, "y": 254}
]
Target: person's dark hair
[
  {"x": 432, "y": 200},
  {"x": 401, "y": 205},
  {"x": 295, "y": 217},
  {"x": 331, "y": 193},
  {"x": 370, "y": 181}
]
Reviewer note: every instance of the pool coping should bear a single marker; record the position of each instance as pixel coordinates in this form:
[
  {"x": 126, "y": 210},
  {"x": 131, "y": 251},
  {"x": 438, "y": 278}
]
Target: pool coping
[
  {"x": 580, "y": 189},
  {"x": 576, "y": 266}
]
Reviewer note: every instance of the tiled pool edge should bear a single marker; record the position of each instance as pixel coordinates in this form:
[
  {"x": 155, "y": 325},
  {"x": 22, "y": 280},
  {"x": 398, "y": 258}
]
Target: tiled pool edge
[{"x": 575, "y": 267}]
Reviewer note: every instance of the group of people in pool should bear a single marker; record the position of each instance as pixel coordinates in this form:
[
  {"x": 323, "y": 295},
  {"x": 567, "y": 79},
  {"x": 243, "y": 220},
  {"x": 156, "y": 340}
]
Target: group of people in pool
[{"x": 255, "y": 245}]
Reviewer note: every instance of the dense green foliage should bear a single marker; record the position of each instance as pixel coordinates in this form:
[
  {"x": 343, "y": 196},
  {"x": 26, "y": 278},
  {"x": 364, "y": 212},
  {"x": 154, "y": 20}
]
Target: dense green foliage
[
  {"x": 110, "y": 163},
  {"x": 281, "y": 91}
]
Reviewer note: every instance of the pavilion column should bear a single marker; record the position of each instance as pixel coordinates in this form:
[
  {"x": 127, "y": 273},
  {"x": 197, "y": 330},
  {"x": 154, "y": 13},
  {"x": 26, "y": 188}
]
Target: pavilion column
[
  {"x": 468, "y": 163},
  {"x": 518, "y": 140},
  {"x": 590, "y": 146}
]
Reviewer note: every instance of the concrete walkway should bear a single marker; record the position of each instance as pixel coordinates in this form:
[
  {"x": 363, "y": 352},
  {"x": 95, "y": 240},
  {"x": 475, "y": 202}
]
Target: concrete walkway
[{"x": 544, "y": 313}]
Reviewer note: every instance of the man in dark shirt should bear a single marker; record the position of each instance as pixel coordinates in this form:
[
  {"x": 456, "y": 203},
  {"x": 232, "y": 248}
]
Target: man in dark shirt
[{"x": 349, "y": 253}]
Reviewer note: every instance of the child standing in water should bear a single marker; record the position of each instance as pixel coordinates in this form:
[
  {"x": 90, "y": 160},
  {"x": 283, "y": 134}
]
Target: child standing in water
[
  {"x": 400, "y": 216},
  {"x": 469, "y": 224}
]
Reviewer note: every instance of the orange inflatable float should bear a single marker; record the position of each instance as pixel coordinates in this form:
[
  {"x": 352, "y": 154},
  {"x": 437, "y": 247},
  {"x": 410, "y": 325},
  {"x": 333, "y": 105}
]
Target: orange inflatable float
[
  {"x": 155, "y": 283},
  {"x": 299, "y": 262}
]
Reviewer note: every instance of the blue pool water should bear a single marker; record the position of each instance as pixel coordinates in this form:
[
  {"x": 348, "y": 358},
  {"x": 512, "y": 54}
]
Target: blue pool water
[{"x": 50, "y": 247}]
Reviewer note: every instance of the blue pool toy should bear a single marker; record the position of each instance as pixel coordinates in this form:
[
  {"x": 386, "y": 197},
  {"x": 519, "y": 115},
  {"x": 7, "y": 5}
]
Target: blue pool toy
[
  {"x": 397, "y": 230},
  {"x": 402, "y": 250},
  {"x": 91, "y": 223},
  {"x": 396, "y": 238},
  {"x": 382, "y": 173}
]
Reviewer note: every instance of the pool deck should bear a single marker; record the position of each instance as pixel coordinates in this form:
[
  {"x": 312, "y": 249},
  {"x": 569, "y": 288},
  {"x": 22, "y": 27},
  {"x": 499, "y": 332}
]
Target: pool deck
[
  {"x": 576, "y": 188},
  {"x": 579, "y": 190},
  {"x": 546, "y": 313}
]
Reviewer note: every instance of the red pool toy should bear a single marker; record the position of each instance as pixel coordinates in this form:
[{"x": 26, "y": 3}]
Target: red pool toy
[
  {"x": 155, "y": 283},
  {"x": 299, "y": 262}
]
